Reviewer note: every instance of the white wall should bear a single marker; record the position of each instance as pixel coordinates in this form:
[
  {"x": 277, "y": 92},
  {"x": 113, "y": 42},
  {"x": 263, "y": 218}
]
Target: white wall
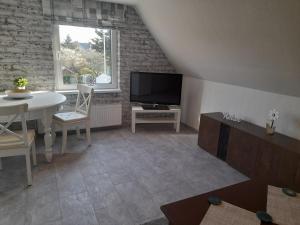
[
  {"x": 201, "y": 96},
  {"x": 250, "y": 43}
]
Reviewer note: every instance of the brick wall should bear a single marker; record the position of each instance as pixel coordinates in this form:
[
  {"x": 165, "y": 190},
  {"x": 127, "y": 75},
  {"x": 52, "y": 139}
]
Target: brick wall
[{"x": 25, "y": 44}]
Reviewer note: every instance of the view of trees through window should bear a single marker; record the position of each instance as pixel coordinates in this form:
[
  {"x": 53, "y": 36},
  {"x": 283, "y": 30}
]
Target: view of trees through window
[{"x": 85, "y": 55}]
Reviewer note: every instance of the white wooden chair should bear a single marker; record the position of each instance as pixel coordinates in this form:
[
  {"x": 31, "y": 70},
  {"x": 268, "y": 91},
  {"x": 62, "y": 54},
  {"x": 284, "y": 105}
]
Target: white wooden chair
[
  {"x": 79, "y": 116},
  {"x": 14, "y": 143}
]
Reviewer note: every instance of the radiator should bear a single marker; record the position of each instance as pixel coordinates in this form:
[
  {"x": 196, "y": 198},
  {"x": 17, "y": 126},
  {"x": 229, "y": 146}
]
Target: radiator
[
  {"x": 106, "y": 115},
  {"x": 101, "y": 116}
]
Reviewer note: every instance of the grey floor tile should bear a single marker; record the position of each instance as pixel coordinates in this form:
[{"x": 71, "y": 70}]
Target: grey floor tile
[
  {"x": 74, "y": 204},
  {"x": 144, "y": 210},
  {"x": 43, "y": 172},
  {"x": 19, "y": 218},
  {"x": 77, "y": 210},
  {"x": 99, "y": 200},
  {"x": 114, "y": 214},
  {"x": 123, "y": 178},
  {"x": 70, "y": 183},
  {"x": 43, "y": 191},
  {"x": 100, "y": 184},
  {"x": 41, "y": 212},
  {"x": 57, "y": 222},
  {"x": 177, "y": 192},
  {"x": 13, "y": 210},
  {"x": 90, "y": 169},
  {"x": 78, "y": 219},
  {"x": 160, "y": 182},
  {"x": 133, "y": 192}
]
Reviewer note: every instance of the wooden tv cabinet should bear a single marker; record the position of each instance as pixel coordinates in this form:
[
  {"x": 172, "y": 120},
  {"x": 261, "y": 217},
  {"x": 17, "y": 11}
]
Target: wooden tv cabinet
[{"x": 247, "y": 148}]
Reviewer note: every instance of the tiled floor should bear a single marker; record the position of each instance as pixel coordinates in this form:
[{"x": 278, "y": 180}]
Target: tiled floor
[{"x": 122, "y": 179}]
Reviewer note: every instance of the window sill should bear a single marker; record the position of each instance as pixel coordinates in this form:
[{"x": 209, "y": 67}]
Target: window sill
[{"x": 103, "y": 91}]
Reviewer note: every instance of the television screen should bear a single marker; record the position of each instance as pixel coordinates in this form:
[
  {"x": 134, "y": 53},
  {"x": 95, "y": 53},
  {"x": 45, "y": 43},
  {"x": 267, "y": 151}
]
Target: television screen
[{"x": 155, "y": 88}]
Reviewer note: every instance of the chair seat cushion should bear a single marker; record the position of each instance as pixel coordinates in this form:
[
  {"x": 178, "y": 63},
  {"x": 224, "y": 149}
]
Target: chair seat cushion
[
  {"x": 69, "y": 116},
  {"x": 9, "y": 141}
]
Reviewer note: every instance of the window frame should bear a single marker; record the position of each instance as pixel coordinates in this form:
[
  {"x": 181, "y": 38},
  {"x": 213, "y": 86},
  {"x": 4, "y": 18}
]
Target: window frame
[{"x": 59, "y": 84}]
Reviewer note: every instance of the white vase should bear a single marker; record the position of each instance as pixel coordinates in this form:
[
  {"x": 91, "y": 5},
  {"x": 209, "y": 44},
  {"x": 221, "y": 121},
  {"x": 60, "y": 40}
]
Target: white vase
[
  {"x": 270, "y": 130},
  {"x": 21, "y": 88}
]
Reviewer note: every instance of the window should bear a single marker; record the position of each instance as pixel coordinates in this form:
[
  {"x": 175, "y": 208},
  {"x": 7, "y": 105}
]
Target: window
[{"x": 85, "y": 55}]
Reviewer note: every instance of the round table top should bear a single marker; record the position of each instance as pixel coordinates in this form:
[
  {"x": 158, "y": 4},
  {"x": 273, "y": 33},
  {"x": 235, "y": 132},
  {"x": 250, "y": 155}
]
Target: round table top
[{"x": 39, "y": 100}]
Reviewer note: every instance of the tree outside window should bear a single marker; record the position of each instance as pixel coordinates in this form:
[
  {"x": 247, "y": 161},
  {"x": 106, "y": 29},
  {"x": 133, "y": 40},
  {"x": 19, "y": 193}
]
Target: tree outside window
[{"x": 85, "y": 55}]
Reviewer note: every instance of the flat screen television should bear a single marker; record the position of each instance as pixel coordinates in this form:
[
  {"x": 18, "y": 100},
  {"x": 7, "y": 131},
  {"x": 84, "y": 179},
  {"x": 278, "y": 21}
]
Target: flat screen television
[{"x": 155, "y": 88}]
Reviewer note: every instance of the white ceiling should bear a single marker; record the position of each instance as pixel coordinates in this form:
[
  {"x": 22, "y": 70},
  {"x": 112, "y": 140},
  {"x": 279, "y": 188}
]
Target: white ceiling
[{"x": 251, "y": 43}]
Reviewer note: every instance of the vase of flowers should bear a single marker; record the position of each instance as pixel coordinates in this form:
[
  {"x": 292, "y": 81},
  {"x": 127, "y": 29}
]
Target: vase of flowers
[
  {"x": 270, "y": 126},
  {"x": 20, "y": 83}
]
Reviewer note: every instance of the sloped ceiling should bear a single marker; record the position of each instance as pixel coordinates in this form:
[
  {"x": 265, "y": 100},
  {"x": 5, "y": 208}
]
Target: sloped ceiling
[{"x": 251, "y": 43}]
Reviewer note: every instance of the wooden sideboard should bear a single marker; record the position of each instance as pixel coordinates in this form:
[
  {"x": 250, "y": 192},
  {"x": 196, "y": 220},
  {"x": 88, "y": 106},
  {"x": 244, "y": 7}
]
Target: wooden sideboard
[{"x": 247, "y": 148}]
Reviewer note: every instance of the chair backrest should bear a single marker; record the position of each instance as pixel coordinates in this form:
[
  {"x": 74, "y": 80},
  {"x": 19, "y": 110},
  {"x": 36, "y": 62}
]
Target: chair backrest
[
  {"x": 13, "y": 113},
  {"x": 84, "y": 99}
]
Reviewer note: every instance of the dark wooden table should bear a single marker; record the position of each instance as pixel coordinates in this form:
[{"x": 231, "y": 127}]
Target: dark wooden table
[{"x": 250, "y": 195}]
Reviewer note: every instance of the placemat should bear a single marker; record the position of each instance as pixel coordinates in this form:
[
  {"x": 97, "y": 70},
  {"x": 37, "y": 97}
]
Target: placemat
[
  {"x": 285, "y": 210},
  {"x": 228, "y": 214}
]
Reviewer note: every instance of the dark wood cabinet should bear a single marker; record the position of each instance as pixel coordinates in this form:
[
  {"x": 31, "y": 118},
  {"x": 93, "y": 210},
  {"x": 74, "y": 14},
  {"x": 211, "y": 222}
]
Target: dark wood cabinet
[
  {"x": 286, "y": 168},
  {"x": 242, "y": 147},
  {"x": 247, "y": 148},
  {"x": 209, "y": 135},
  {"x": 266, "y": 161},
  {"x": 297, "y": 179}
]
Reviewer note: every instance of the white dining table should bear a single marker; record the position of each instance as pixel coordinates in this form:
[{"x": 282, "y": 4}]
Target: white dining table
[{"x": 41, "y": 106}]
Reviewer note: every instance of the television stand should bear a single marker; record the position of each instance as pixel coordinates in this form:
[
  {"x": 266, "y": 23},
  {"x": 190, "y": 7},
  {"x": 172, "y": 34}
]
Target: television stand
[
  {"x": 155, "y": 107},
  {"x": 135, "y": 110}
]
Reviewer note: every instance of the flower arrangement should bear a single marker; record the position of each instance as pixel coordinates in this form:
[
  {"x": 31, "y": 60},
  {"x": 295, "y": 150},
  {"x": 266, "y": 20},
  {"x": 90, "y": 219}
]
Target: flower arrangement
[
  {"x": 232, "y": 117},
  {"x": 20, "y": 83},
  {"x": 273, "y": 116}
]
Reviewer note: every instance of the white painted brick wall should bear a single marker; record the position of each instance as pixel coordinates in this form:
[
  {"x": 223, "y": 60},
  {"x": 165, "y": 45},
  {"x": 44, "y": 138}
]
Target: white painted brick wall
[{"x": 25, "y": 42}]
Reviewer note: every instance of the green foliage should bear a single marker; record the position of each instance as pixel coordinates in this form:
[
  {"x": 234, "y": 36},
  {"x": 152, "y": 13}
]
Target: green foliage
[
  {"x": 20, "y": 82},
  {"x": 68, "y": 39},
  {"x": 81, "y": 59},
  {"x": 68, "y": 43},
  {"x": 97, "y": 43},
  {"x": 86, "y": 70}
]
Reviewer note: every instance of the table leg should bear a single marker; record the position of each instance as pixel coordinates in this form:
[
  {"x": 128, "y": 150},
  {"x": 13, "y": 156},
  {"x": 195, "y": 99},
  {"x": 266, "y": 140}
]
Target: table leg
[
  {"x": 133, "y": 116},
  {"x": 178, "y": 122},
  {"x": 47, "y": 122},
  {"x": 53, "y": 134}
]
